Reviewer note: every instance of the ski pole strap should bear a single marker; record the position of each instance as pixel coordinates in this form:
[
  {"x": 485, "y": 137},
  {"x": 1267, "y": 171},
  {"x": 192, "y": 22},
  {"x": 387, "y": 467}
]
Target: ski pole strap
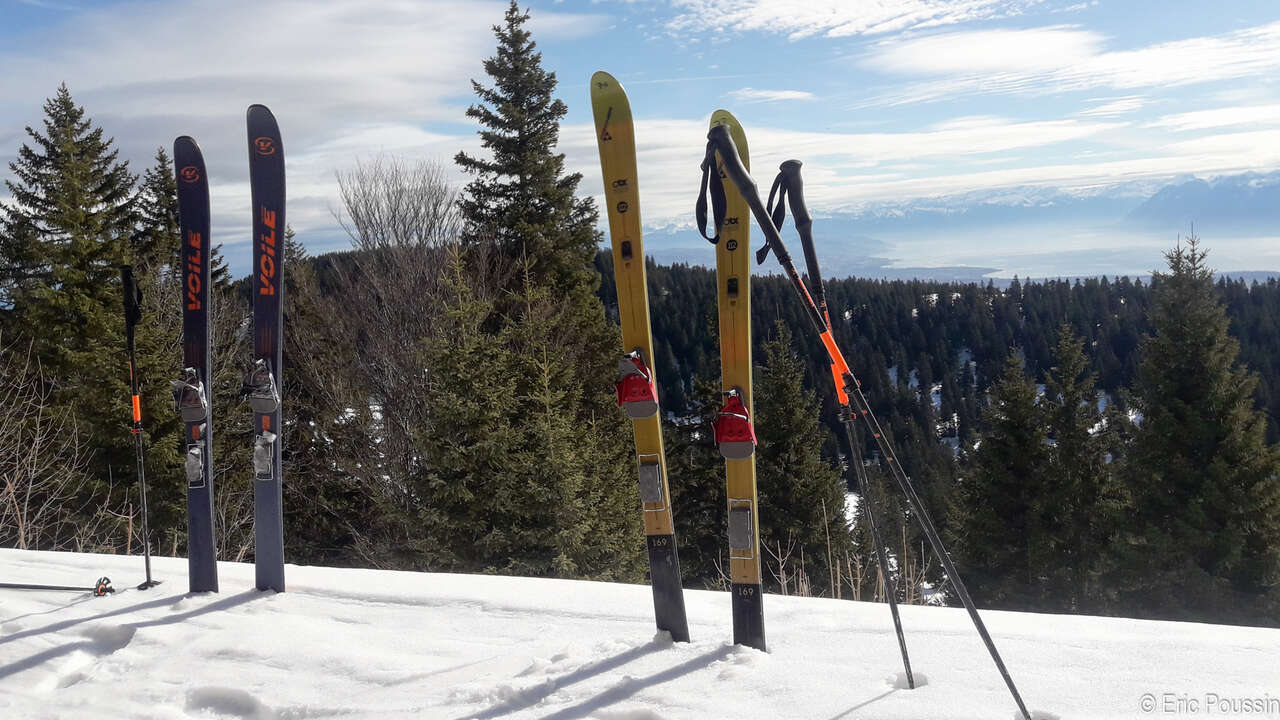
[
  {"x": 789, "y": 171},
  {"x": 710, "y": 182},
  {"x": 777, "y": 212}
]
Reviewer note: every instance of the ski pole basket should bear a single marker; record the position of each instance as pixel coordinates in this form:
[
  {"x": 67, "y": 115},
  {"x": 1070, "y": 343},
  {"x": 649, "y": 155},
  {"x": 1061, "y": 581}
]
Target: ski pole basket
[
  {"x": 102, "y": 588},
  {"x": 636, "y": 394},
  {"x": 734, "y": 433}
]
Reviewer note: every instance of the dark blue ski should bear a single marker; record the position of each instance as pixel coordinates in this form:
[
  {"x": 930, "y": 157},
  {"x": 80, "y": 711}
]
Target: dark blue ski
[
  {"x": 262, "y": 384},
  {"x": 191, "y": 392}
]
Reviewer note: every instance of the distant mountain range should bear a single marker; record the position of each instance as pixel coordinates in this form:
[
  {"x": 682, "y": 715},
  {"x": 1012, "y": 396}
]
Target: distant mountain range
[{"x": 1035, "y": 231}]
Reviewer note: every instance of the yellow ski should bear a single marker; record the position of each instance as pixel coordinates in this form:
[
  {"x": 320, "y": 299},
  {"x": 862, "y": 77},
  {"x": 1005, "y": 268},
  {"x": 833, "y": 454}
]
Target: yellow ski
[
  {"x": 637, "y": 382},
  {"x": 734, "y": 433}
]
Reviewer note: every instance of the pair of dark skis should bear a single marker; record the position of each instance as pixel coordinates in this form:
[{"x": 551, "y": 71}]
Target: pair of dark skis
[
  {"x": 261, "y": 386},
  {"x": 788, "y": 186}
]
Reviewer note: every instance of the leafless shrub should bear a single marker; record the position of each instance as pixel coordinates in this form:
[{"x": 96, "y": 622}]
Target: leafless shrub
[{"x": 42, "y": 461}]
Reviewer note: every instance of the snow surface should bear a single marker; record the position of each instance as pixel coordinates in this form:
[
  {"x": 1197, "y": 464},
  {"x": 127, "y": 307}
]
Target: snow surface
[{"x": 380, "y": 644}]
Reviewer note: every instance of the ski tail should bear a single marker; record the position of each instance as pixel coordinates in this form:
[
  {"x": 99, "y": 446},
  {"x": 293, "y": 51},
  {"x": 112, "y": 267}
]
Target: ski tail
[
  {"x": 267, "y": 187},
  {"x": 637, "y": 381},
  {"x": 191, "y": 391}
]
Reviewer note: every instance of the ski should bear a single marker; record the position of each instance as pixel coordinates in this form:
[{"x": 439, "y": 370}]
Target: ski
[
  {"x": 191, "y": 391},
  {"x": 734, "y": 433},
  {"x": 637, "y": 382},
  {"x": 262, "y": 383}
]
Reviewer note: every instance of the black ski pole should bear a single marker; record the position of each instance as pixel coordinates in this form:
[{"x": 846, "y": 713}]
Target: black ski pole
[
  {"x": 789, "y": 188},
  {"x": 100, "y": 589},
  {"x": 133, "y": 314}
]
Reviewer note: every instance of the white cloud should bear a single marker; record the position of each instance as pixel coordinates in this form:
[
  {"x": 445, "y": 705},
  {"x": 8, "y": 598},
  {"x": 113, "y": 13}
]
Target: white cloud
[
  {"x": 1219, "y": 117},
  {"x": 986, "y": 51},
  {"x": 839, "y": 166},
  {"x": 750, "y": 95},
  {"x": 834, "y": 18},
  {"x": 1114, "y": 107},
  {"x": 993, "y": 62},
  {"x": 345, "y": 79}
]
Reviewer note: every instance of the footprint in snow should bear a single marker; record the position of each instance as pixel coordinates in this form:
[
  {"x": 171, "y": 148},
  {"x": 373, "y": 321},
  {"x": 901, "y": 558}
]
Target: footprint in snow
[{"x": 221, "y": 701}]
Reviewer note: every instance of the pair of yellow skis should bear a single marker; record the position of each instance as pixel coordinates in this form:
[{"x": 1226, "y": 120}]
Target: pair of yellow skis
[{"x": 615, "y": 137}]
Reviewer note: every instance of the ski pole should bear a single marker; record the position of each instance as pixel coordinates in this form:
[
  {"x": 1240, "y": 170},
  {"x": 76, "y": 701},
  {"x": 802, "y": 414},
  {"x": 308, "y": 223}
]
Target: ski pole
[
  {"x": 719, "y": 140},
  {"x": 133, "y": 314},
  {"x": 790, "y": 187}
]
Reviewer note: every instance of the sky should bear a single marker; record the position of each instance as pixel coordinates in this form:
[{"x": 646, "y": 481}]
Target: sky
[{"x": 884, "y": 101}]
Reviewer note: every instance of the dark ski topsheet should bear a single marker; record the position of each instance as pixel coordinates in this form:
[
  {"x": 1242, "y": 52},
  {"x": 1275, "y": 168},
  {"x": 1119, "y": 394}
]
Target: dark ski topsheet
[
  {"x": 193, "y": 213},
  {"x": 266, "y": 179}
]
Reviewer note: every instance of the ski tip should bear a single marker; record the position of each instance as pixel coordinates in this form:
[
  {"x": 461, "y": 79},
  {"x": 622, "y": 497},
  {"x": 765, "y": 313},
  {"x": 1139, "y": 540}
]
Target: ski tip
[
  {"x": 724, "y": 117},
  {"x": 600, "y": 76},
  {"x": 184, "y": 144},
  {"x": 261, "y": 111}
]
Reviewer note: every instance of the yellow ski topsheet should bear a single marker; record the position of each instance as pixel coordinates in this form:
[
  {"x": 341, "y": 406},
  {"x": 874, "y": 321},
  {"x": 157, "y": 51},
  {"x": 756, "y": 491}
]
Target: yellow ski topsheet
[
  {"x": 733, "y": 277},
  {"x": 615, "y": 136}
]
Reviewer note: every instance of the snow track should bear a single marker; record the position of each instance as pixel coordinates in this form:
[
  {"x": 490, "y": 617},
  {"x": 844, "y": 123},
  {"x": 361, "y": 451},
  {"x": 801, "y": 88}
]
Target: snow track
[{"x": 378, "y": 644}]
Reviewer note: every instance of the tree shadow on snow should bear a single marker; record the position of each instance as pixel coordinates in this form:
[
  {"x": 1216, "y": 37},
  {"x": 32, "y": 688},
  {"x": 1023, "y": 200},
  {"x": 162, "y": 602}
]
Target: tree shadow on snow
[
  {"x": 104, "y": 641},
  {"x": 536, "y": 694},
  {"x": 631, "y": 686}
]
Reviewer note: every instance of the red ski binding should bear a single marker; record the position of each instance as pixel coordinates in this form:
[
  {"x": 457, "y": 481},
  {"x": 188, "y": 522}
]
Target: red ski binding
[
  {"x": 735, "y": 435},
  {"x": 636, "y": 394}
]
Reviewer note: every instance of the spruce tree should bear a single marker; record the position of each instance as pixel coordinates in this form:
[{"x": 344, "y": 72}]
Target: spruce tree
[
  {"x": 520, "y": 198},
  {"x": 156, "y": 244},
  {"x": 1205, "y": 484},
  {"x": 62, "y": 238},
  {"x": 520, "y": 212},
  {"x": 801, "y": 495},
  {"x": 1074, "y": 498},
  {"x": 995, "y": 506}
]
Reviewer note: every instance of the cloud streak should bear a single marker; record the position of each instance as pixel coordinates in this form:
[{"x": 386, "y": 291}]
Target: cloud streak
[
  {"x": 987, "y": 62},
  {"x": 834, "y": 18},
  {"x": 752, "y": 95}
]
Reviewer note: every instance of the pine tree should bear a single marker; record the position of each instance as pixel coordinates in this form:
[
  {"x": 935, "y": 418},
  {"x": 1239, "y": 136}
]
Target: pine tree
[
  {"x": 522, "y": 206},
  {"x": 156, "y": 244},
  {"x": 520, "y": 198},
  {"x": 801, "y": 495},
  {"x": 1204, "y": 482},
  {"x": 1074, "y": 499},
  {"x": 995, "y": 506},
  {"x": 61, "y": 239}
]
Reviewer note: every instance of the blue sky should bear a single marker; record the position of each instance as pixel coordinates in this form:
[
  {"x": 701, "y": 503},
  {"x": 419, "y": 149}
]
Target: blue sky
[{"x": 885, "y": 101}]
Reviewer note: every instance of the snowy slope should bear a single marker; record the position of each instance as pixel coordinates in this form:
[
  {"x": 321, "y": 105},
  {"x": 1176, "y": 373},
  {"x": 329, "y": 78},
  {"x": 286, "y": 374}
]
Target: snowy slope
[{"x": 376, "y": 644}]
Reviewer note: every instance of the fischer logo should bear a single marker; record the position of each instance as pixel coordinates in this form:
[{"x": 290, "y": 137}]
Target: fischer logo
[
  {"x": 267, "y": 254},
  {"x": 265, "y": 146},
  {"x": 194, "y": 276},
  {"x": 190, "y": 174}
]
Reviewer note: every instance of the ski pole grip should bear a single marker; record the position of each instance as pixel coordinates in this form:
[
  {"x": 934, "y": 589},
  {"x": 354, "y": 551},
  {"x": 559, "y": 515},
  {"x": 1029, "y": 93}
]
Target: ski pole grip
[
  {"x": 132, "y": 296},
  {"x": 795, "y": 195},
  {"x": 719, "y": 137}
]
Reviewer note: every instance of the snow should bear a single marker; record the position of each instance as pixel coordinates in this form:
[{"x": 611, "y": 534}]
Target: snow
[{"x": 381, "y": 644}]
